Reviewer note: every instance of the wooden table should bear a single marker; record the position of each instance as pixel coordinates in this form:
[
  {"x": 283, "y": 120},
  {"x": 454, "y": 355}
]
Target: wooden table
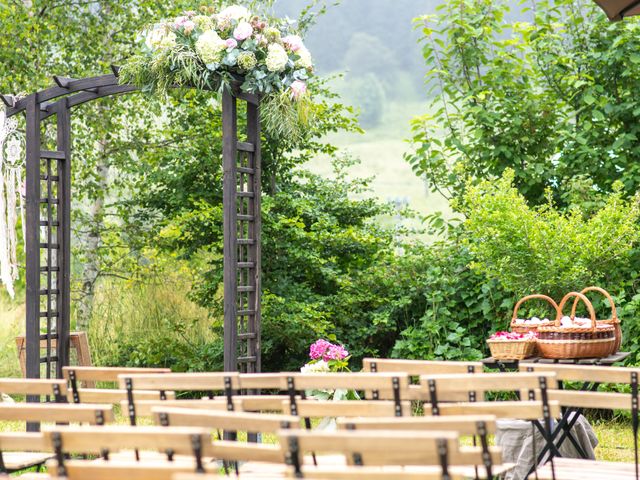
[{"x": 562, "y": 430}]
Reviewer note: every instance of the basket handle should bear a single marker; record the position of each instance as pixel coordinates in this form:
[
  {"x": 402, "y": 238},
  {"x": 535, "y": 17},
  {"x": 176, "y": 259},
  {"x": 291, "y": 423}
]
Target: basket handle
[
  {"x": 614, "y": 314},
  {"x": 550, "y": 300},
  {"x": 585, "y": 300}
]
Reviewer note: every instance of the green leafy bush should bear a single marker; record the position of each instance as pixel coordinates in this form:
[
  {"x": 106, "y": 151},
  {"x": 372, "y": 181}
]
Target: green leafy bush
[
  {"x": 453, "y": 308},
  {"x": 542, "y": 249}
]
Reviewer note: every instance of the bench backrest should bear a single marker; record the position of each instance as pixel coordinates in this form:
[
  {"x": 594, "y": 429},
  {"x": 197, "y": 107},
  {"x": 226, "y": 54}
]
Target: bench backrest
[
  {"x": 56, "y": 389},
  {"x": 57, "y": 412},
  {"x": 461, "y": 424},
  {"x": 116, "y": 438},
  {"x": 419, "y": 367},
  {"x": 22, "y": 442},
  {"x": 223, "y": 420},
  {"x": 496, "y": 382},
  {"x": 106, "y": 374},
  {"x": 350, "y": 381},
  {"x": 218, "y": 381},
  {"x": 114, "y": 396},
  {"x": 522, "y": 410},
  {"x": 346, "y": 408},
  {"x": 583, "y": 373},
  {"x": 373, "y": 448}
]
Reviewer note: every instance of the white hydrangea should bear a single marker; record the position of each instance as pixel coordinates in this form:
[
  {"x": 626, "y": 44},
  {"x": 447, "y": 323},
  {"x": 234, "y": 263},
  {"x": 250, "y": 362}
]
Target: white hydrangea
[
  {"x": 305, "y": 60},
  {"x": 159, "y": 38},
  {"x": 277, "y": 58},
  {"x": 210, "y": 47},
  {"x": 235, "y": 12},
  {"x": 319, "y": 367},
  {"x": 4, "y": 398},
  {"x": 204, "y": 22}
]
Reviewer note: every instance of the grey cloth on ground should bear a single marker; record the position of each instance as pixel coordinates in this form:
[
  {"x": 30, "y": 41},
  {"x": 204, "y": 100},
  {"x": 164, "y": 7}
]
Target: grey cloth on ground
[{"x": 517, "y": 442}]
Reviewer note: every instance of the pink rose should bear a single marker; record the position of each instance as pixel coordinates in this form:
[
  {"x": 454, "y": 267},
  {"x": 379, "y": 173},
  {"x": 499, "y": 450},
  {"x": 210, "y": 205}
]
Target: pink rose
[
  {"x": 180, "y": 21},
  {"x": 243, "y": 31},
  {"x": 293, "y": 42},
  {"x": 298, "y": 89},
  {"x": 188, "y": 27},
  {"x": 231, "y": 43}
]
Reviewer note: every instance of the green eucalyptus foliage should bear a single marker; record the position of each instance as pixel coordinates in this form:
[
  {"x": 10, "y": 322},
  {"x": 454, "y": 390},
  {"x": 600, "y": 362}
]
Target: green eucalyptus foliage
[{"x": 554, "y": 97}]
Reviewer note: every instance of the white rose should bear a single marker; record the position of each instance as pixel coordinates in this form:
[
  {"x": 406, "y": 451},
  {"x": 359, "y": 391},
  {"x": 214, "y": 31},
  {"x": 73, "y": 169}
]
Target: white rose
[
  {"x": 305, "y": 59},
  {"x": 277, "y": 58},
  {"x": 210, "y": 47},
  {"x": 235, "y": 12}
]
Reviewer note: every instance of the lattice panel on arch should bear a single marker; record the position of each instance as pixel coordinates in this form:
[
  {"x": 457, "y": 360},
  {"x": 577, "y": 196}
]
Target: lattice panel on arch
[
  {"x": 50, "y": 267},
  {"x": 247, "y": 258}
]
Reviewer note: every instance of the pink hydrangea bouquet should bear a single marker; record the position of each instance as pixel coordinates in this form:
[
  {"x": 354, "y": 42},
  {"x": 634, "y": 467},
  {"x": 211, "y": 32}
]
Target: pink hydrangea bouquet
[
  {"x": 214, "y": 48},
  {"x": 327, "y": 357}
]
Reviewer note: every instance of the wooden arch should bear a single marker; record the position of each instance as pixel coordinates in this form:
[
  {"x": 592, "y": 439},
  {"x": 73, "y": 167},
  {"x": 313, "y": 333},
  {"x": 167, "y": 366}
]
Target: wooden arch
[{"x": 48, "y": 222}]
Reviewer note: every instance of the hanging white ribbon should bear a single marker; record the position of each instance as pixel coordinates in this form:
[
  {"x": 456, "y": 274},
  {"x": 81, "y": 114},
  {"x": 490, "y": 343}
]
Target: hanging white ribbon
[{"x": 11, "y": 187}]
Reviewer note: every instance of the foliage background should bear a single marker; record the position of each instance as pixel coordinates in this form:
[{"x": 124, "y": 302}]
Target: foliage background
[{"x": 548, "y": 92}]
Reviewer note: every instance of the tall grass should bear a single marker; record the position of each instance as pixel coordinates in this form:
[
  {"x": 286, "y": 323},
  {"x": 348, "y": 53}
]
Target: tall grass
[
  {"x": 11, "y": 325},
  {"x": 131, "y": 313}
]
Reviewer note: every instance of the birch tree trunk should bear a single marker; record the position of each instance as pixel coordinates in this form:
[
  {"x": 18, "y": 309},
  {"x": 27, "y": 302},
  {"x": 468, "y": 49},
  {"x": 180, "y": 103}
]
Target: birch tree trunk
[{"x": 93, "y": 242}]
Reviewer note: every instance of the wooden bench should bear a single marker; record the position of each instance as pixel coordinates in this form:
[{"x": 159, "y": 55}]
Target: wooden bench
[
  {"x": 55, "y": 389},
  {"x": 416, "y": 368},
  {"x": 251, "y": 403},
  {"x": 172, "y": 449},
  {"x": 480, "y": 426},
  {"x": 227, "y": 382},
  {"x": 20, "y": 450},
  {"x": 381, "y": 448},
  {"x": 347, "y": 408},
  {"x": 224, "y": 420},
  {"x": 83, "y": 379}
]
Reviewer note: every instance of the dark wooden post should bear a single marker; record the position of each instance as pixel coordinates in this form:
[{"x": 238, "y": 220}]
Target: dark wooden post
[
  {"x": 32, "y": 246},
  {"x": 255, "y": 232},
  {"x": 63, "y": 298},
  {"x": 32, "y": 240},
  {"x": 229, "y": 200}
]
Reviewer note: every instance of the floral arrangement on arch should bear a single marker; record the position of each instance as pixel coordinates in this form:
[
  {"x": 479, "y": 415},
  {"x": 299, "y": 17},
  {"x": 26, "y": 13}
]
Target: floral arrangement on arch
[
  {"x": 327, "y": 357},
  {"x": 212, "y": 49}
]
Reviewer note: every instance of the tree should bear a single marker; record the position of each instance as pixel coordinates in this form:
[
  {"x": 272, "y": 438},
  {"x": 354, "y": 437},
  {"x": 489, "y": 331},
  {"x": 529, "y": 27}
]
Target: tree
[
  {"x": 367, "y": 54},
  {"x": 96, "y": 35},
  {"x": 368, "y": 95},
  {"x": 552, "y": 98}
]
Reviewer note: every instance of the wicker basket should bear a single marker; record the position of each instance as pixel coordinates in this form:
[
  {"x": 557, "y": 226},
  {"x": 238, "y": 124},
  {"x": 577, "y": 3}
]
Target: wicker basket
[
  {"x": 573, "y": 342},
  {"x": 521, "y": 328},
  {"x": 512, "y": 349},
  {"x": 613, "y": 321}
]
